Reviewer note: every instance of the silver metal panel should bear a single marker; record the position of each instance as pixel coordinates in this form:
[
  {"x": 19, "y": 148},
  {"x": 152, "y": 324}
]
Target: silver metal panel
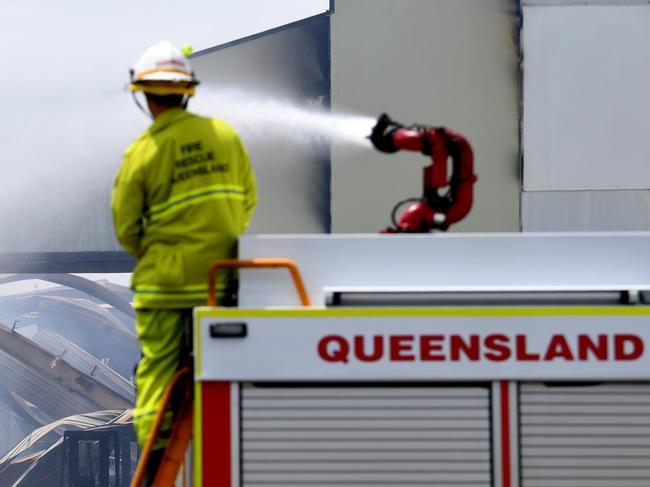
[
  {"x": 451, "y": 262},
  {"x": 591, "y": 435},
  {"x": 557, "y": 211},
  {"x": 585, "y": 103},
  {"x": 380, "y": 436},
  {"x": 285, "y": 68}
]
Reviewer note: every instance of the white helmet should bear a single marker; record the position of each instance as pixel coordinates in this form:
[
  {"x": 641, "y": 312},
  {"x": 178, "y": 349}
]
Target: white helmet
[{"x": 163, "y": 69}]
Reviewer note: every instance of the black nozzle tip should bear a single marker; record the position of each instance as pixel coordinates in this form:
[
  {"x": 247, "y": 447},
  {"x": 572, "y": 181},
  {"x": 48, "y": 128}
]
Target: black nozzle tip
[
  {"x": 382, "y": 134},
  {"x": 383, "y": 121}
]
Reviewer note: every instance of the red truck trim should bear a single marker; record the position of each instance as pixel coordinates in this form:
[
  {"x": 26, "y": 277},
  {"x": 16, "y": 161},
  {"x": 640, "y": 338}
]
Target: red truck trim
[
  {"x": 216, "y": 457},
  {"x": 505, "y": 433}
]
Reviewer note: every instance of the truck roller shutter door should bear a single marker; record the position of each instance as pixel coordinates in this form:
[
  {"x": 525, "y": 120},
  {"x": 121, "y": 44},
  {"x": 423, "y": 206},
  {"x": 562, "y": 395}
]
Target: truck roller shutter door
[
  {"x": 368, "y": 435},
  {"x": 585, "y": 435}
]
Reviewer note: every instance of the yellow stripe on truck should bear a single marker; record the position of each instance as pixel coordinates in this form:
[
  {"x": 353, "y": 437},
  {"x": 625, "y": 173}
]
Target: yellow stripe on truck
[
  {"x": 433, "y": 312},
  {"x": 198, "y": 435}
]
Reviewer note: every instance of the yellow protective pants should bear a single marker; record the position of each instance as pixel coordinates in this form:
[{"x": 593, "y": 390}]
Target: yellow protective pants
[{"x": 165, "y": 337}]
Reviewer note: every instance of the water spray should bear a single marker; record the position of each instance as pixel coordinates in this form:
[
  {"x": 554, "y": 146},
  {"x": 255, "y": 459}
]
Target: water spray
[
  {"x": 445, "y": 200},
  {"x": 257, "y": 116}
]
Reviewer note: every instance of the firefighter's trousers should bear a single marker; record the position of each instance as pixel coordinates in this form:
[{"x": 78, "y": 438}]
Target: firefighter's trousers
[{"x": 165, "y": 337}]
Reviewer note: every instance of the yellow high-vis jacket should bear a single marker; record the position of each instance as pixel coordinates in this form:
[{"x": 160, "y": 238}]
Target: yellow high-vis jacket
[{"x": 184, "y": 194}]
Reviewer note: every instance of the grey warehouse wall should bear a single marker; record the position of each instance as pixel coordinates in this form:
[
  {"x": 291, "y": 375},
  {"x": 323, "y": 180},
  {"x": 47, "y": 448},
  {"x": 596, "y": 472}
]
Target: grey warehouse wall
[{"x": 437, "y": 62}]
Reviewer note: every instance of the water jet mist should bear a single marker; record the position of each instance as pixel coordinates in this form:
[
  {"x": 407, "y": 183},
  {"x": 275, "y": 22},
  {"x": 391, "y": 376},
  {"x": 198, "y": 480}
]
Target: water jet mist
[{"x": 256, "y": 116}]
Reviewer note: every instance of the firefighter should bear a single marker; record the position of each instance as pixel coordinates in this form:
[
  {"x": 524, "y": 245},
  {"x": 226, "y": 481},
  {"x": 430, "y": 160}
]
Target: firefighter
[{"x": 183, "y": 195}]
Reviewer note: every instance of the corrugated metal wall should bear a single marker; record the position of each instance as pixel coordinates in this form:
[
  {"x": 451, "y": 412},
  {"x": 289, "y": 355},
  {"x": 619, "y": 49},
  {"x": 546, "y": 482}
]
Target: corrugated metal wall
[{"x": 379, "y": 436}]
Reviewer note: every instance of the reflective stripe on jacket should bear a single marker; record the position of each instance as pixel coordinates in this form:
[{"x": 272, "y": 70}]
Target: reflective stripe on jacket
[{"x": 184, "y": 194}]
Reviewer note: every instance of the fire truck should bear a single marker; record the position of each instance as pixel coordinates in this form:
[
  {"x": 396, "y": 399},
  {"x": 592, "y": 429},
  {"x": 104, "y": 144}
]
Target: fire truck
[
  {"x": 475, "y": 360},
  {"x": 410, "y": 359}
]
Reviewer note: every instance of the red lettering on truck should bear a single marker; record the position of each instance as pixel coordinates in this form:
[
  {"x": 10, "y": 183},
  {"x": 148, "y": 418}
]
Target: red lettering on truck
[
  {"x": 401, "y": 348},
  {"x": 558, "y": 348},
  {"x": 431, "y": 348},
  {"x": 586, "y": 346},
  {"x": 470, "y": 348},
  {"x": 492, "y": 347},
  {"x": 627, "y": 347},
  {"x": 377, "y": 348},
  {"x": 522, "y": 352},
  {"x": 498, "y": 346},
  {"x": 334, "y": 348}
]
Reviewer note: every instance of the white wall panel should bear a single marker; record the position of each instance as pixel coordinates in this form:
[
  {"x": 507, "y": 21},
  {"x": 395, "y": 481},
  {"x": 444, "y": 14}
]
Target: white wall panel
[
  {"x": 559, "y": 211},
  {"x": 586, "y": 79}
]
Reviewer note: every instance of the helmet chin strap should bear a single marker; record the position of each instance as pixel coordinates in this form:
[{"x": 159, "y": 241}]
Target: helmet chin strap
[
  {"x": 140, "y": 106},
  {"x": 184, "y": 103}
]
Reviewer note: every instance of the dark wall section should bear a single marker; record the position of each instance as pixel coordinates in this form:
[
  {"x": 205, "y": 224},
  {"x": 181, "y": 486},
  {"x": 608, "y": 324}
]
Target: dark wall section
[{"x": 71, "y": 262}]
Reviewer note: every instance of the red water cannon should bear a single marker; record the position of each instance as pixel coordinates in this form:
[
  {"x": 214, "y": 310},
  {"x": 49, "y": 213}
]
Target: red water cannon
[{"x": 445, "y": 200}]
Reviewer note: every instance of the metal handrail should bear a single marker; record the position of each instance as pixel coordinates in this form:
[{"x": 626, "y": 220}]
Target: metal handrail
[{"x": 256, "y": 263}]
